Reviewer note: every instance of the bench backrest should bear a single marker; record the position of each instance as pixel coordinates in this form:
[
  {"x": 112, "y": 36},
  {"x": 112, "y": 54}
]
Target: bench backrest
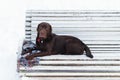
[{"x": 100, "y": 30}]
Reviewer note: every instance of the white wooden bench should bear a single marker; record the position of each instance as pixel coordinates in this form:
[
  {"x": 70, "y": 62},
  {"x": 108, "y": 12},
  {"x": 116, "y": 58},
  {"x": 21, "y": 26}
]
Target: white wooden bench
[{"x": 100, "y": 30}]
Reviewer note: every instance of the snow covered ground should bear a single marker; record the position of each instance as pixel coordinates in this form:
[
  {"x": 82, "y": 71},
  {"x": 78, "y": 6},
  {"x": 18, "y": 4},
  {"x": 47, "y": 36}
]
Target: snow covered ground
[{"x": 12, "y": 22}]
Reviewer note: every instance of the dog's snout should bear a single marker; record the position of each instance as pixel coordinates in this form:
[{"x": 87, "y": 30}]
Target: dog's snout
[{"x": 43, "y": 33}]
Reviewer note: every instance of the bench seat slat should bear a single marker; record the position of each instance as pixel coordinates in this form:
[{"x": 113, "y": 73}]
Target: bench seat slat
[{"x": 49, "y": 74}]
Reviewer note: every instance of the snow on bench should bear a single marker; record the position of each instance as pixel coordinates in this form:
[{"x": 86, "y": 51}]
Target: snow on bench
[{"x": 100, "y": 30}]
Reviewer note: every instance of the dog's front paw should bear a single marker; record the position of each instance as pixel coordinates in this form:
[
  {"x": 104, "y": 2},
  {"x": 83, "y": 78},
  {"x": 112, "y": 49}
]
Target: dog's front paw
[{"x": 29, "y": 57}]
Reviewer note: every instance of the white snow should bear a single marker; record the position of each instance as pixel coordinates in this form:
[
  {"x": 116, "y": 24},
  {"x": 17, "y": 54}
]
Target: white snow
[{"x": 12, "y": 22}]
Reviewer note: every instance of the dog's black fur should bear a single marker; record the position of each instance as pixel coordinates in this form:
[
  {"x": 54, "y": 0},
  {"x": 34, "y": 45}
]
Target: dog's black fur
[{"x": 51, "y": 44}]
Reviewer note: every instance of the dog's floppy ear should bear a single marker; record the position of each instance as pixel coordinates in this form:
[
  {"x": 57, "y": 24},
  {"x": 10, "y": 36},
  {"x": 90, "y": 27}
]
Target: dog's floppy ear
[{"x": 38, "y": 27}]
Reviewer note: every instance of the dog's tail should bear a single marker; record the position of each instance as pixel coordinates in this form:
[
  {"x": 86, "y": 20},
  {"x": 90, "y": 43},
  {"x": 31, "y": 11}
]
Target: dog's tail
[{"x": 88, "y": 52}]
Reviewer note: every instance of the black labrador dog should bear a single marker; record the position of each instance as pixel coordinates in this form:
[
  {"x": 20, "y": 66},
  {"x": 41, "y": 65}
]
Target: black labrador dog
[{"x": 52, "y": 44}]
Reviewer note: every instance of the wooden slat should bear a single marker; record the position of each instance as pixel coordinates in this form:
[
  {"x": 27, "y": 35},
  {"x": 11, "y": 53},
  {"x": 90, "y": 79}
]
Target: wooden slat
[
  {"x": 93, "y": 38},
  {"x": 96, "y": 56},
  {"x": 68, "y": 29},
  {"x": 73, "y": 14},
  {"x": 49, "y": 74},
  {"x": 89, "y": 22},
  {"x": 95, "y": 18},
  {"x": 73, "y": 68},
  {"x": 71, "y": 78}
]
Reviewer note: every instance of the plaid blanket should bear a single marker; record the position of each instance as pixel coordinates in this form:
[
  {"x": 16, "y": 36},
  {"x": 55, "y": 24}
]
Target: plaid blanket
[{"x": 28, "y": 45}]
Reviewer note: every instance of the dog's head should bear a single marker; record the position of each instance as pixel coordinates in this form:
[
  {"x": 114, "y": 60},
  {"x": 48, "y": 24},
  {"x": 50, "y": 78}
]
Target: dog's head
[{"x": 44, "y": 30}]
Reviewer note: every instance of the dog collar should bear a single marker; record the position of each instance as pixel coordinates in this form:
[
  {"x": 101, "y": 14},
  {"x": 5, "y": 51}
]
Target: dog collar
[{"x": 39, "y": 40}]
